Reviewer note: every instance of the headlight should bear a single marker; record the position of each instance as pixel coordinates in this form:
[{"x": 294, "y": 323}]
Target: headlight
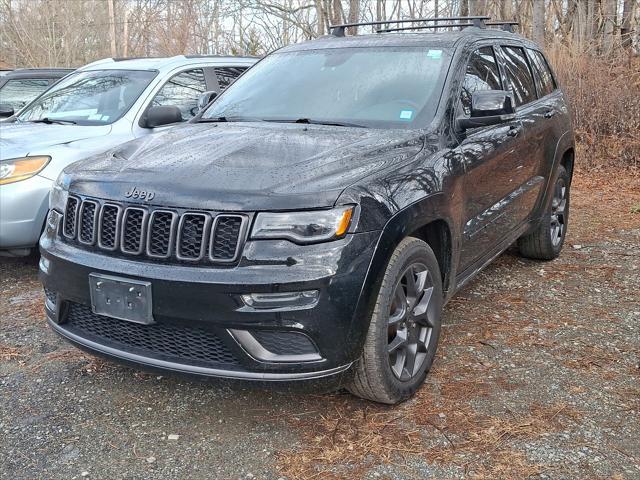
[
  {"x": 304, "y": 227},
  {"x": 17, "y": 169}
]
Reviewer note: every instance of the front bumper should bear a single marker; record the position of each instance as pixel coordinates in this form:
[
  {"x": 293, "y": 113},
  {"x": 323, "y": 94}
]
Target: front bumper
[
  {"x": 23, "y": 208},
  {"x": 202, "y": 325}
]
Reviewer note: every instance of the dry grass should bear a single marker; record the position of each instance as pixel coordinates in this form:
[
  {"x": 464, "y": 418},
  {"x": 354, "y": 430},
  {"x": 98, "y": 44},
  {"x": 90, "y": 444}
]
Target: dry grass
[
  {"x": 605, "y": 100},
  {"x": 9, "y": 353}
]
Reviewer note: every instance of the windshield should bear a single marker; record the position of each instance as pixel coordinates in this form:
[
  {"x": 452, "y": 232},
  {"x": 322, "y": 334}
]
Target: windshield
[
  {"x": 89, "y": 98},
  {"x": 384, "y": 87}
]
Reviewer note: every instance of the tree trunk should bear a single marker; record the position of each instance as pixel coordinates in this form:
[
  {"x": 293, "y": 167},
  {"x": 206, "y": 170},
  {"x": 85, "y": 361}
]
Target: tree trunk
[
  {"x": 319, "y": 17},
  {"x": 538, "y": 22},
  {"x": 626, "y": 32},
  {"x": 354, "y": 15},
  {"x": 112, "y": 28},
  {"x": 506, "y": 10},
  {"x": 477, "y": 7},
  {"x": 609, "y": 19},
  {"x": 337, "y": 12},
  {"x": 464, "y": 8}
]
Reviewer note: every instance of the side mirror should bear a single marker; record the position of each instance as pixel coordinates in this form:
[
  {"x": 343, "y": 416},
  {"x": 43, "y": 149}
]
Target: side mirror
[
  {"x": 488, "y": 107},
  {"x": 6, "y": 111},
  {"x": 162, "y": 115},
  {"x": 206, "y": 98}
]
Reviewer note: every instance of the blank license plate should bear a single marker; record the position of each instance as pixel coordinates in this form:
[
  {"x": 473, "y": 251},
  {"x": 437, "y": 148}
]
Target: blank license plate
[{"x": 121, "y": 298}]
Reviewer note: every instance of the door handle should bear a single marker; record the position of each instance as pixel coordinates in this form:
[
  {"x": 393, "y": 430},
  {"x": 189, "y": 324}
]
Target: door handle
[
  {"x": 514, "y": 130},
  {"x": 549, "y": 113}
]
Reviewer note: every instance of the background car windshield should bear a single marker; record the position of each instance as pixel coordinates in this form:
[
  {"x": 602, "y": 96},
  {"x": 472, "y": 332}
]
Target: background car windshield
[
  {"x": 90, "y": 98},
  {"x": 375, "y": 87}
]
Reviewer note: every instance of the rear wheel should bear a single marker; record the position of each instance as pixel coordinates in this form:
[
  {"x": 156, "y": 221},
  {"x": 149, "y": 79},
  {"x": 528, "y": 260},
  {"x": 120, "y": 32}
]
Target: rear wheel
[
  {"x": 545, "y": 242},
  {"x": 405, "y": 327}
]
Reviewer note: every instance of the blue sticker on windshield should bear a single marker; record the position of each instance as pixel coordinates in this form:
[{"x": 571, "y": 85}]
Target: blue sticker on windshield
[
  {"x": 406, "y": 114},
  {"x": 435, "y": 54}
]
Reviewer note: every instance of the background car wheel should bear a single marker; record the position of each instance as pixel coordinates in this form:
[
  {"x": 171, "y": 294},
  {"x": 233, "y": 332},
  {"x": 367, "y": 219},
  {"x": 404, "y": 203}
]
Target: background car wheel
[
  {"x": 405, "y": 327},
  {"x": 545, "y": 242}
]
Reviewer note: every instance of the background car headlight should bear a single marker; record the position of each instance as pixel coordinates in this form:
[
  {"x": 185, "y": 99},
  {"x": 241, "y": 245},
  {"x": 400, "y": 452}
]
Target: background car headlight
[
  {"x": 304, "y": 227},
  {"x": 17, "y": 169}
]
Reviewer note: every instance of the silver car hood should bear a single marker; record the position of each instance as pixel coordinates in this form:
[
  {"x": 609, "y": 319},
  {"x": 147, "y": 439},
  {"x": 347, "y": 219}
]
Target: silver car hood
[{"x": 20, "y": 139}]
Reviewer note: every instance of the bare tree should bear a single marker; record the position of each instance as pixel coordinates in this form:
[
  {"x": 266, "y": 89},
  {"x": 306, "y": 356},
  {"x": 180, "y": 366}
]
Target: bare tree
[{"x": 538, "y": 21}]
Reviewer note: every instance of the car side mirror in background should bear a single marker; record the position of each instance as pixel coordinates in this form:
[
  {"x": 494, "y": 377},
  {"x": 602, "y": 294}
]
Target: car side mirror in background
[
  {"x": 206, "y": 98},
  {"x": 6, "y": 111},
  {"x": 162, "y": 115},
  {"x": 488, "y": 107}
]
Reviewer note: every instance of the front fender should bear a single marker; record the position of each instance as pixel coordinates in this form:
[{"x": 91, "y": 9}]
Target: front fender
[{"x": 405, "y": 222}]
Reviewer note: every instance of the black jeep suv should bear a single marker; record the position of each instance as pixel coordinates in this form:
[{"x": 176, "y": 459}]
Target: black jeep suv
[{"x": 314, "y": 219}]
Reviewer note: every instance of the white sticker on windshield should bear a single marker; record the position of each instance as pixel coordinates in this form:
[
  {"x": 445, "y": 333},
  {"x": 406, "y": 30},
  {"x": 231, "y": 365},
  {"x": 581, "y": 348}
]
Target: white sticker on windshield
[
  {"x": 435, "y": 54},
  {"x": 406, "y": 114}
]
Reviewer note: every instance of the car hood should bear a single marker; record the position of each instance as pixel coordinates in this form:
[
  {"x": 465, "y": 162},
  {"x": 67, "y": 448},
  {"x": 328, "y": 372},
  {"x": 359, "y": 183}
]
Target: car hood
[
  {"x": 19, "y": 139},
  {"x": 243, "y": 166}
]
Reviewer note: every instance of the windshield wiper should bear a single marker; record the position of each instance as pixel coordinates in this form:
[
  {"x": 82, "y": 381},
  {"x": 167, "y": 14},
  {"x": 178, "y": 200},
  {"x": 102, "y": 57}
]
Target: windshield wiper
[
  {"x": 229, "y": 119},
  {"x": 310, "y": 121},
  {"x": 50, "y": 121}
]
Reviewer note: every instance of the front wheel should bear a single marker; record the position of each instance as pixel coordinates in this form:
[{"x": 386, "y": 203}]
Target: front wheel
[
  {"x": 405, "y": 327},
  {"x": 545, "y": 242}
]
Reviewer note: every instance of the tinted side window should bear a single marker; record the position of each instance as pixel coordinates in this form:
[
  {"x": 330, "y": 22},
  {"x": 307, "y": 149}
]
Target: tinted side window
[
  {"x": 182, "y": 91},
  {"x": 18, "y": 93},
  {"x": 542, "y": 73},
  {"x": 482, "y": 74},
  {"x": 226, "y": 75},
  {"x": 519, "y": 75}
]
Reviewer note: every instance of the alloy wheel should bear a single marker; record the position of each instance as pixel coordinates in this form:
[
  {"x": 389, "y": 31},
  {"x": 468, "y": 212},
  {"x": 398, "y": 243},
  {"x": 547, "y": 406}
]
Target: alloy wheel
[
  {"x": 558, "y": 212},
  {"x": 411, "y": 322}
]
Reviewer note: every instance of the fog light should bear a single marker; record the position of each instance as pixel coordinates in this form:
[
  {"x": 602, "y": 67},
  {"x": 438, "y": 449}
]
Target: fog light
[{"x": 282, "y": 300}]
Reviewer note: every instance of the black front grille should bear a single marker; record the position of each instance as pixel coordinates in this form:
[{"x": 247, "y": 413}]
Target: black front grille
[
  {"x": 178, "y": 344},
  {"x": 88, "y": 222},
  {"x": 192, "y": 235},
  {"x": 224, "y": 241},
  {"x": 156, "y": 233},
  {"x": 109, "y": 226},
  {"x": 70, "y": 217},
  {"x": 284, "y": 342},
  {"x": 161, "y": 233},
  {"x": 132, "y": 230}
]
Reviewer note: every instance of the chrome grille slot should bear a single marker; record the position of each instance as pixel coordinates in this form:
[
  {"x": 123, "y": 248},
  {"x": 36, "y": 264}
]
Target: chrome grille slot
[
  {"x": 87, "y": 222},
  {"x": 192, "y": 235},
  {"x": 226, "y": 236},
  {"x": 109, "y": 226},
  {"x": 133, "y": 230},
  {"x": 71, "y": 217},
  {"x": 161, "y": 233}
]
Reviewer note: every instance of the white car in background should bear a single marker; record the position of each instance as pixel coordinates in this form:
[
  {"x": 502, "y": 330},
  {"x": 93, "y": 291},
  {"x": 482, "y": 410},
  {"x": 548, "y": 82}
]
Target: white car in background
[{"x": 94, "y": 109}]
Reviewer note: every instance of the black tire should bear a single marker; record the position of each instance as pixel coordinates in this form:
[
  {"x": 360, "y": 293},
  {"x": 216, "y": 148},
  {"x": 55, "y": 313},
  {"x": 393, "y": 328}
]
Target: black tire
[
  {"x": 546, "y": 241},
  {"x": 374, "y": 376}
]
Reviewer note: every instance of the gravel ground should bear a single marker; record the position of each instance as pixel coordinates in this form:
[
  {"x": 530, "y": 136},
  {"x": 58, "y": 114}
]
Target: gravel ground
[{"x": 537, "y": 376}]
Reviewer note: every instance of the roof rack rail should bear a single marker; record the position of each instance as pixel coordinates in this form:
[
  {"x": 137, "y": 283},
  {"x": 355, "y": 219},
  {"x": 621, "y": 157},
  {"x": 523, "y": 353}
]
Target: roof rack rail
[
  {"x": 423, "y": 27},
  {"x": 507, "y": 26},
  {"x": 475, "y": 21}
]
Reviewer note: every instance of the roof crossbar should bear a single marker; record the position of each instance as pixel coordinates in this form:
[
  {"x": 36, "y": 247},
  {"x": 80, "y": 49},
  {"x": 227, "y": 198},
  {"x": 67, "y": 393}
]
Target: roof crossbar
[
  {"x": 422, "y": 27},
  {"x": 476, "y": 21},
  {"x": 507, "y": 26}
]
